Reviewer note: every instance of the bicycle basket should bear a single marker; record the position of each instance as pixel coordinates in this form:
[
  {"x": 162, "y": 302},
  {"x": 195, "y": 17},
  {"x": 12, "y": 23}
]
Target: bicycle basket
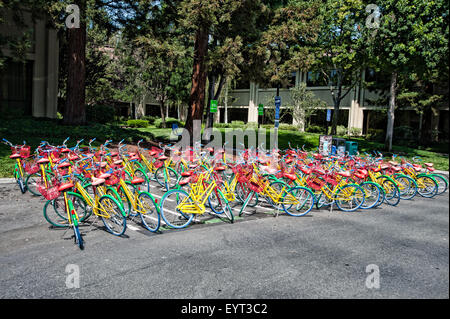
[
  {"x": 254, "y": 186},
  {"x": 112, "y": 180},
  {"x": 316, "y": 184},
  {"x": 49, "y": 193},
  {"x": 31, "y": 168},
  {"x": 25, "y": 151}
]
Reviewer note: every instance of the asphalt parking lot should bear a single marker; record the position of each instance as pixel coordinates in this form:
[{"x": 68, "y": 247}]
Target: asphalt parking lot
[{"x": 388, "y": 252}]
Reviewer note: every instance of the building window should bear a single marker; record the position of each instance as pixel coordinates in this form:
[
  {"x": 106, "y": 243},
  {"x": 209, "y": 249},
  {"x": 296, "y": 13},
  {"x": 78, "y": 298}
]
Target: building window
[
  {"x": 315, "y": 79},
  {"x": 242, "y": 84}
]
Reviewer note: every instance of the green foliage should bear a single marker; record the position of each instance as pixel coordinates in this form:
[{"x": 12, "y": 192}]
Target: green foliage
[
  {"x": 169, "y": 121},
  {"x": 315, "y": 129},
  {"x": 405, "y": 133},
  {"x": 355, "y": 131},
  {"x": 375, "y": 134},
  {"x": 100, "y": 113},
  {"x": 137, "y": 123}
]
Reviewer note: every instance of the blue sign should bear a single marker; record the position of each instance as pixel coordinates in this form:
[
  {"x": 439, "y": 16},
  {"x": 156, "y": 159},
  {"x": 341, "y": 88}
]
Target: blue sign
[
  {"x": 277, "y": 107},
  {"x": 328, "y": 115}
]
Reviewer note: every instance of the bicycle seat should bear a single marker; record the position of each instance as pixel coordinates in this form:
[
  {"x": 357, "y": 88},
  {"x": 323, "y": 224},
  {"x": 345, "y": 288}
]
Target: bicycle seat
[
  {"x": 65, "y": 150},
  {"x": 43, "y": 161},
  {"x": 103, "y": 164},
  {"x": 97, "y": 181},
  {"x": 361, "y": 176},
  {"x": 428, "y": 164},
  {"x": 306, "y": 171},
  {"x": 15, "y": 156},
  {"x": 292, "y": 177},
  {"x": 271, "y": 170},
  {"x": 114, "y": 154},
  {"x": 118, "y": 162},
  {"x": 137, "y": 180},
  {"x": 219, "y": 168},
  {"x": 64, "y": 165},
  {"x": 73, "y": 157},
  {"x": 431, "y": 169},
  {"x": 289, "y": 160},
  {"x": 319, "y": 171},
  {"x": 384, "y": 166},
  {"x": 192, "y": 166},
  {"x": 344, "y": 174},
  {"x": 186, "y": 174},
  {"x": 396, "y": 168},
  {"x": 184, "y": 181},
  {"x": 65, "y": 186},
  {"x": 376, "y": 169},
  {"x": 104, "y": 175},
  {"x": 162, "y": 158},
  {"x": 152, "y": 153}
]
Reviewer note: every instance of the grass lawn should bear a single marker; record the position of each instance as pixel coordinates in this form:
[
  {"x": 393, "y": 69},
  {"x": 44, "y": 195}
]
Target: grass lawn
[{"x": 33, "y": 131}]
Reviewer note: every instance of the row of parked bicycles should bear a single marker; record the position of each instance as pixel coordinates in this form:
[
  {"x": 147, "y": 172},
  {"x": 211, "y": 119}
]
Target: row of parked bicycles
[{"x": 115, "y": 184}]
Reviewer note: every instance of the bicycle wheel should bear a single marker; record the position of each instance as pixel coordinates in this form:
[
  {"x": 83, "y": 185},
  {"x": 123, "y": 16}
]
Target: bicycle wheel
[
  {"x": 32, "y": 181},
  {"x": 124, "y": 200},
  {"x": 148, "y": 211},
  {"x": 55, "y": 209},
  {"x": 372, "y": 194},
  {"x": 219, "y": 205},
  {"x": 166, "y": 180},
  {"x": 112, "y": 215},
  {"x": 140, "y": 174},
  {"x": 392, "y": 193},
  {"x": 280, "y": 189},
  {"x": 442, "y": 183},
  {"x": 242, "y": 193},
  {"x": 170, "y": 210},
  {"x": 406, "y": 185},
  {"x": 78, "y": 238},
  {"x": 349, "y": 198},
  {"x": 298, "y": 201},
  {"x": 426, "y": 186}
]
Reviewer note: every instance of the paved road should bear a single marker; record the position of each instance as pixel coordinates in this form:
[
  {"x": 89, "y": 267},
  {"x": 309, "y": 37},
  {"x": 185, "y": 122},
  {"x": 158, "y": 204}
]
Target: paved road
[{"x": 321, "y": 255}]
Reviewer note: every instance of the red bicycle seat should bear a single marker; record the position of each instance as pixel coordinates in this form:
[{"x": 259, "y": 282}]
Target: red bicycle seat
[
  {"x": 306, "y": 171},
  {"x": 359, "y": 175},
  {"x": 429, "y": 164},
  {"x": 376, "y": 169},
  {"x": 65, "y": 186},
  {"x": 319, "y": 171},
  {"x": 114, "y": 154},
  {"x": 344, "y": 174},
  {"x": 292, "y": 177},
  {"x": 15, "y": 156},
  {"x": 64, "y": 165},
  {"x": 289, "y": 160},
  {"x": 97, "y": 181},
  {"x": 137, "y": 180},
  {"x": 65, "y": 150},
  {"x": 186, "y": 174},
  {"x": 162, "y": 158},
  {"x": 73, "y": 157},
  {"x": 184, "y": 181},
  {"x": 220, "y": 168},
  {"x": 43, "y": 161},
  {"x": 104, "y": 175}
]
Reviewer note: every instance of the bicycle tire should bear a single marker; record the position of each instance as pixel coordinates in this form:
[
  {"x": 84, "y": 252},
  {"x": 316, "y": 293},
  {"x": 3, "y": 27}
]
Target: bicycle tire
[
  {"x": 116, "y": 223},
  {"x": 372, "y": 194},
  {"x": 151, "y": 218},
  {"x": 354, "y": 200},
  {"x": 306, "y": 201},
  {"x": 177, "y": 218}
]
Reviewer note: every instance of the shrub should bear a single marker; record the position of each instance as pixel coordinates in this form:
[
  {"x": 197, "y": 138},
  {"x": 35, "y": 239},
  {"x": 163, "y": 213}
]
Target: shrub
[
  {"x": 375, "y": 134},
  {"x": 237, "y": 124},
  {"x": 341, "y": 130},
  {"x": 404, "y": 133},
  {"x": 169, "y": 122},
  {"x": 288, "y": 127},
  {"x": 315, "y": 129},
  {"x": 355, "y": 131},
  {"x": 100, "y": 114},
  {"x": 137, "y": 123}
]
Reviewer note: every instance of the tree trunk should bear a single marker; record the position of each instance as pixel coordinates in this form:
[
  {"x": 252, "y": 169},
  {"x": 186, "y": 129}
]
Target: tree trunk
[
  {"x": 197, "y": 97},
  {"x": 335, "y": 118},
  {"x": 225, "y": 103},
  {"x": 163, "y": 115},
  {"x": 390, "y": 113},
  {"x": 75, "y": 110}
]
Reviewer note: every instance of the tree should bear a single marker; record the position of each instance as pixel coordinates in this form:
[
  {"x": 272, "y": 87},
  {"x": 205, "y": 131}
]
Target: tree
[
  {"x": 304, "y": 105},
  {"x": 412, "y": 38},
  {"x": 340, "y": 50}
]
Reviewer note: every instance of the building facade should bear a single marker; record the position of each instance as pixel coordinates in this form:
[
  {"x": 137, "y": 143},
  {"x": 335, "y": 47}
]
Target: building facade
[{"x": 30, "y": 87}]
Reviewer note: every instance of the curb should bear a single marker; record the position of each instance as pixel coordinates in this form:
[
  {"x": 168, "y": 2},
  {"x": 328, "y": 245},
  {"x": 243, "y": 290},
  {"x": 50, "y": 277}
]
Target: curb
[{"x": 7, "y": 180}]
